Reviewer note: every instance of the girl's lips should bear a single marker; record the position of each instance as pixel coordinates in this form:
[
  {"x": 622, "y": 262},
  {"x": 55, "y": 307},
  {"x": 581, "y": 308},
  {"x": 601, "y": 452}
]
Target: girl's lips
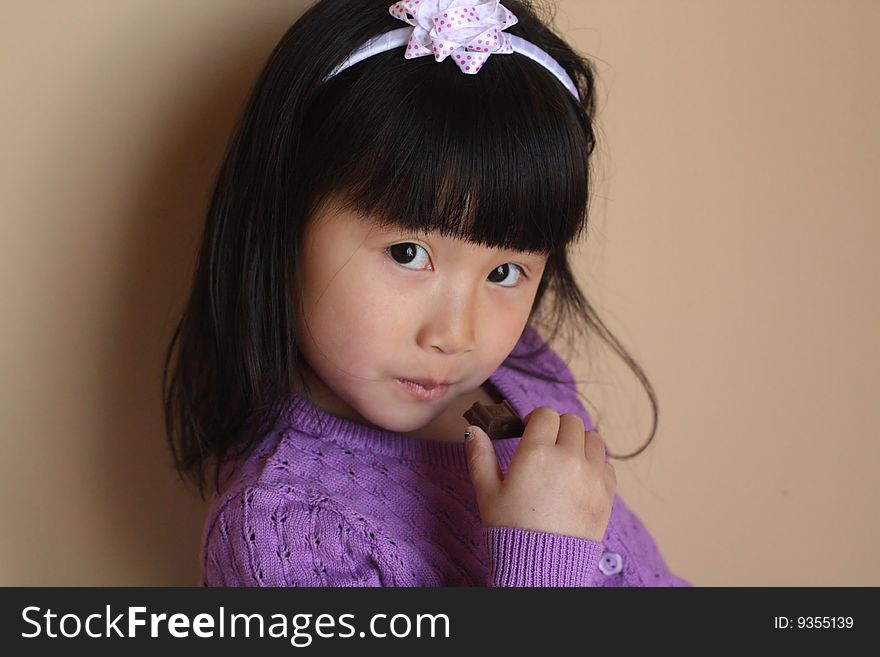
[{"x": 421, "y": 392}]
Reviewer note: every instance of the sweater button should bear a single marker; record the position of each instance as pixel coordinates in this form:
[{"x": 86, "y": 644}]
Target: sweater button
[{"x": 611, "y": 563}]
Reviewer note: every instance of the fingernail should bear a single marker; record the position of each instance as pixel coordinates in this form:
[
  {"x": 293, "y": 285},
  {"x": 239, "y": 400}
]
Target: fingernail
[{"x": 468, "y": 435}]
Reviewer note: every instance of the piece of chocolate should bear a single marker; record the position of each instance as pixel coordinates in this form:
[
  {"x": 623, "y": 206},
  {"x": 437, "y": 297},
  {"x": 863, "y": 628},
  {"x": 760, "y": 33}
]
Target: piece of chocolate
[{"x": 497, "y": 420}]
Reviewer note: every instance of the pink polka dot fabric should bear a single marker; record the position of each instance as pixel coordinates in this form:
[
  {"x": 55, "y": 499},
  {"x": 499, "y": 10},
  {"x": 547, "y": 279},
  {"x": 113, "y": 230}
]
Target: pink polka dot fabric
[{"x": 467, "y": 31}]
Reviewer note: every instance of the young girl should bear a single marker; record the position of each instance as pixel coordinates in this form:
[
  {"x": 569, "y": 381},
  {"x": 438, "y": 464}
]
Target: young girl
[{"x": 390, "y": 224}]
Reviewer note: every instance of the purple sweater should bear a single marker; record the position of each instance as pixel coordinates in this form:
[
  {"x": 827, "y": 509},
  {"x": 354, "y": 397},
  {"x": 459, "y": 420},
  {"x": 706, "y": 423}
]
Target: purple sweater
[{"x": 325, "y": 501}]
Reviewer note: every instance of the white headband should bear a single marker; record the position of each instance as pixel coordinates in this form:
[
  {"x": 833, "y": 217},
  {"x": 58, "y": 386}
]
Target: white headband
[{"x": 468, "y": 30}]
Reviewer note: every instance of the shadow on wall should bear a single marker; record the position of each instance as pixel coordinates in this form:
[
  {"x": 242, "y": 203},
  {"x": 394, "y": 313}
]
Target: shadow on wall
[{"x": 154, "y": 521}]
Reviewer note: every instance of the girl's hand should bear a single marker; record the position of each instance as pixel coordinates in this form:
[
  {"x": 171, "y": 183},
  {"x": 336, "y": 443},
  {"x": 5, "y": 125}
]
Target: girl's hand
[{"x": 557, "y": 481}]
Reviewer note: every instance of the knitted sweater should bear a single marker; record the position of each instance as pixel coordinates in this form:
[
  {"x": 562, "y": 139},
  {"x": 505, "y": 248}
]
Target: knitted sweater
[{"x": 326, "y": 501}]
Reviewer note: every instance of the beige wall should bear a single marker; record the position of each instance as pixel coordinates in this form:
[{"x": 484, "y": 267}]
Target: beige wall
[{"x": 733, "y": 251}]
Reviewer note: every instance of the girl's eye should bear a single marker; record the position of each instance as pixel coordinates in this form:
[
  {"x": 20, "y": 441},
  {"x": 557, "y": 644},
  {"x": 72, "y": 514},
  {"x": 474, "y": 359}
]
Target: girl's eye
[
  {"x": 503, "y": 272},
  {"x": 407, "y": 254}
]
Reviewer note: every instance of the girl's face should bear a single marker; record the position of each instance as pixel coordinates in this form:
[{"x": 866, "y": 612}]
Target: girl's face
[{"x": 381, "y": 305}]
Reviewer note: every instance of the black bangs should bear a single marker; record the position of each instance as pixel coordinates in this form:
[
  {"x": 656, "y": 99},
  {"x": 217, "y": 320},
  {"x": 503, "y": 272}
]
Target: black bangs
[{"x": 499, "y": 158}]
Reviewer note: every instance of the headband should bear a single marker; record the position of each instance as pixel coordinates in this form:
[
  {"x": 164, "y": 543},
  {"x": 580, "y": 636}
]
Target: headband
[{"x": 468, "y": 30}]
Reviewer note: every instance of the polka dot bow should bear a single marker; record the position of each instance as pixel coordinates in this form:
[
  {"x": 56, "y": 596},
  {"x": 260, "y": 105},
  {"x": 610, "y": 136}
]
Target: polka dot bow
[{"x": 468, "y": 31}]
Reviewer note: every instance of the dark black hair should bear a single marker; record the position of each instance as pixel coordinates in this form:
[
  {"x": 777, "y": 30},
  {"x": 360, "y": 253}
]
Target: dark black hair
[{"x": 501, "y": 158}]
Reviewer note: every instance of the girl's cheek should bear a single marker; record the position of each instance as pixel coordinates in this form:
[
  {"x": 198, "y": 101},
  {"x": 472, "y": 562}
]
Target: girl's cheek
[
  {"x": 394, "y": 287},
  {"x": 509, "y": 304}
]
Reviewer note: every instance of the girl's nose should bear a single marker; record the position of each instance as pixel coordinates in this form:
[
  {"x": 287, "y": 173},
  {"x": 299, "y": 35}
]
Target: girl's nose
[{"x": 450, "y": 326}]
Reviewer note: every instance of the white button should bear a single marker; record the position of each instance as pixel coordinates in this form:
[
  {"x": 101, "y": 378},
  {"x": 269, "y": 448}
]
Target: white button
[{"x": 611, "y": 563}]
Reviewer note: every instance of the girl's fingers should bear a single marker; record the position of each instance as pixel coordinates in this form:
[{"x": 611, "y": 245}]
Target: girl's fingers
[
  {"x": 483, "y": 466},
  {"x": 610, "y": 477},
  {"x": 571, "y": 432},
  {"x": 594, "y": 447},
  {"x": 542, "y": 427}
]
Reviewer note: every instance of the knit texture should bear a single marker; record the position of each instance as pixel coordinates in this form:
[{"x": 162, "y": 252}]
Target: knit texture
[{"x": 325, "y": 501}]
